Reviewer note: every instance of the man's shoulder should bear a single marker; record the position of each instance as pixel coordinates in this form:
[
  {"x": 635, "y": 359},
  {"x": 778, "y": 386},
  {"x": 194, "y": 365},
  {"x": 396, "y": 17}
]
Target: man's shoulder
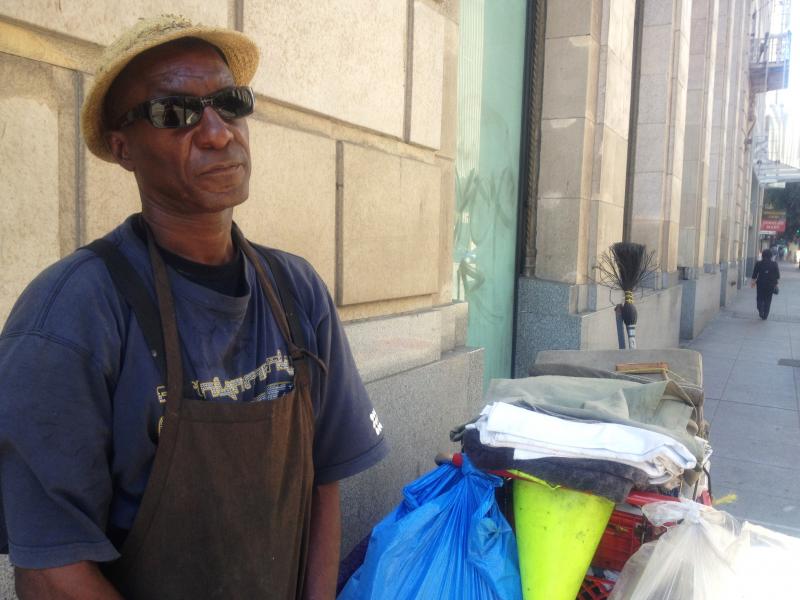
[
  {"x": 304, "y": 282},
  {"x": 300, "y": 272},
  {"x": 73, "y": 289}
]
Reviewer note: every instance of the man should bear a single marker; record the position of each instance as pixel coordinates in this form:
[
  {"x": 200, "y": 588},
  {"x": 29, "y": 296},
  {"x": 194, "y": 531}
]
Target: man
[
  {"x": 765, "y": 279},
  {"x": 175, "y": 427}
]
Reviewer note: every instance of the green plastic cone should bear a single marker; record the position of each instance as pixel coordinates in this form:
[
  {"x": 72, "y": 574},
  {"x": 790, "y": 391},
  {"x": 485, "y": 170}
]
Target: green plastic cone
[{"x": 558, "y": 531}]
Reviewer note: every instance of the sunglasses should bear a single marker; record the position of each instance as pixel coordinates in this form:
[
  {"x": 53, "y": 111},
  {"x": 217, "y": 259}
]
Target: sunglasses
[{"x": 173, "y": 112}]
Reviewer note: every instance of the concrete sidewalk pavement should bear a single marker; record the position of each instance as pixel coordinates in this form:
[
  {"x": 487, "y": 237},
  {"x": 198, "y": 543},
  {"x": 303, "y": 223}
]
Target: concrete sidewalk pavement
[{"x": 753, "y": 406}]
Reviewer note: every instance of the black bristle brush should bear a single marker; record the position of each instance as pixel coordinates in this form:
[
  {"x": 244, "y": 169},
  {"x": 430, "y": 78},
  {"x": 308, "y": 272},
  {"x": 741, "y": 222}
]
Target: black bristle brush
[{"x": 624, "y": 267}]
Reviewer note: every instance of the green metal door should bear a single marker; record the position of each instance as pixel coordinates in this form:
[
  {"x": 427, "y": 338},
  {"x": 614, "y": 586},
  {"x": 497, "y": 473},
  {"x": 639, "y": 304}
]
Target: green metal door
[{"x": 490, "y": 95}]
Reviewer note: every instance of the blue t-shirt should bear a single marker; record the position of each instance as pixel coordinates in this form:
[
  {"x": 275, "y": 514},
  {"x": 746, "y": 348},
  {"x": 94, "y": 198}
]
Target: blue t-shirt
[{"x": 81, "y": 396}]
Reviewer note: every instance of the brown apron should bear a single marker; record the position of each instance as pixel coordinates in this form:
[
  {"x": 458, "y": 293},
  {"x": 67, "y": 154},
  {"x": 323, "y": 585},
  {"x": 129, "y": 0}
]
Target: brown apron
[{"x": 227, "y": 508}]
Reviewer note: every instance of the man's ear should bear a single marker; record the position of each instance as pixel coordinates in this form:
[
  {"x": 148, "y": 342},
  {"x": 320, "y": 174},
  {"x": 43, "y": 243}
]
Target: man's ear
[{"x": 117, "y": 143}]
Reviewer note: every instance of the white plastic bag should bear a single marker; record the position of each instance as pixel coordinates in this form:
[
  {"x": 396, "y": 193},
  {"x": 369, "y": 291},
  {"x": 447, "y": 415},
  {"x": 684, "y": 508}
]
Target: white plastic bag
[{"x": 707, "y": 555}]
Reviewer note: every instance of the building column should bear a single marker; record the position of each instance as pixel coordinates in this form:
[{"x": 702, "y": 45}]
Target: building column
[
  {"x": 660, "y": 129},
  {"x": 733, "y": 138},
  {"x": 572, "y": 50},
  {"x": 611, "y": 130},
  {"x": 697, "y": 139},
  {"x": 717, "y": 154},
  {"x": 700, "y": 299}
]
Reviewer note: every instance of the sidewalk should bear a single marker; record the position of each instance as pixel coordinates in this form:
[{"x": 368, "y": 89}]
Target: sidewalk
[{"x": 752, "y": 405}]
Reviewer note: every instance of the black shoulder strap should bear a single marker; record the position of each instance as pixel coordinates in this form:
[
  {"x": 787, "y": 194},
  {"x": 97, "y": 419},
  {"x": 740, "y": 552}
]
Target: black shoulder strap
[
  {"x": 285, "y": 295},
  {"x": 130, "y": 285}
]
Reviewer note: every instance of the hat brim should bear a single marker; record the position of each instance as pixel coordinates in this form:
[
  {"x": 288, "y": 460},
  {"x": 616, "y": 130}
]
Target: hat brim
[{"x": 239, "y": 50}]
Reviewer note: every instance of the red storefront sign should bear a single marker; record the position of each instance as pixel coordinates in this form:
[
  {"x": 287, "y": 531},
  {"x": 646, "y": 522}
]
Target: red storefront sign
[{"x": 773, "y": 221}]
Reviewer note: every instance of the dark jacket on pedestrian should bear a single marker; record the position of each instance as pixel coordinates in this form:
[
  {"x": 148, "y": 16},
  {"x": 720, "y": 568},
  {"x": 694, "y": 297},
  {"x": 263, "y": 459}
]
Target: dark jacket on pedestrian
[{"x": 766, "y": 273}]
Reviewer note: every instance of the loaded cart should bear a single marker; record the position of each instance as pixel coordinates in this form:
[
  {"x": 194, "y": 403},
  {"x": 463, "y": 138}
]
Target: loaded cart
[
  {"x": 586, "y": 440},
  {"x": 589, "y": 479},
  {"x": 682, "y": 372}
]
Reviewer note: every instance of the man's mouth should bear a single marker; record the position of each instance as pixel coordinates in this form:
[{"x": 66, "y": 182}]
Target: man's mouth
[{"x": 226, "y": 168}]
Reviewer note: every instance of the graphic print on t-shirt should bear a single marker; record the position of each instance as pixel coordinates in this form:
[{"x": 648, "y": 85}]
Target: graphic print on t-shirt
[{"x": 233, "y": 389}]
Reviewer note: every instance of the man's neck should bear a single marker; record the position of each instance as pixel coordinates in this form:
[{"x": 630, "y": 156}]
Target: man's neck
[{"x": 204, "y": 238}]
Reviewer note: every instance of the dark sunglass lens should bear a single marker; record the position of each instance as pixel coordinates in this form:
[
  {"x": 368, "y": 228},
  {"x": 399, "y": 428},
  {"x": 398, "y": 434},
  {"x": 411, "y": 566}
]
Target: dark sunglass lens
[
  {"x": 192, "y": 110},
  {"x": 234, "y": 103},
  {"x": 167, "y": 113}
]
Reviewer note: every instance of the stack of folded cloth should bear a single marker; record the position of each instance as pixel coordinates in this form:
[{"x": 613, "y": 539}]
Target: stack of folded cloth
[{"x": 604, "y": 438}]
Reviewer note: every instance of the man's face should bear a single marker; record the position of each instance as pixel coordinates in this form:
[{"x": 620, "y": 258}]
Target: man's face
[{"x": 200, "y": 169}]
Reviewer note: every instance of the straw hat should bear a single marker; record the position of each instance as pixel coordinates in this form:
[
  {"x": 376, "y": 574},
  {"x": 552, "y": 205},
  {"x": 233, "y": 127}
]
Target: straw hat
[{"x": 239, "y": 50}]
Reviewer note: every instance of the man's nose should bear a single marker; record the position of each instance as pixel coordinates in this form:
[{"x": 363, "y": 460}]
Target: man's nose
[{"x": 212, "y": 131}]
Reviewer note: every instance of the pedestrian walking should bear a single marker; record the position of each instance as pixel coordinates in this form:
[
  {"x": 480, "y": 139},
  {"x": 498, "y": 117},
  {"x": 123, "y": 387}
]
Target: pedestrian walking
[{"x": 765, "y": 280}]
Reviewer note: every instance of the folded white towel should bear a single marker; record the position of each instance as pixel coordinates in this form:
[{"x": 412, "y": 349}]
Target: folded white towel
[{"x": 535, "y": 435}]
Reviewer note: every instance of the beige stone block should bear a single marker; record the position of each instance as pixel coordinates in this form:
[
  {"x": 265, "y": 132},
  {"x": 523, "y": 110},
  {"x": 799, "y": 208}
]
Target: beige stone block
[
  {"x": 101, "y": 22},
  {"x": 673, "y": 212},
  {"x": 567, "y": 18},
  {"x": 653, "y": 98},
  {"x": 450, "y": 91},
  {"x": 651, "y": 147},
  {"x": 383, "y": 308},
  {"x": 658, "y": 12},
  {"x": 686, "y": 244},
  {"x": 680, "y": 124},
  {"x": 446, "y": 217},
  {"x": 648, "y": 192},
  {"x": 699, "y": 9},
  {"x": 384, "y": 346},
  {"x": 656, "y": 49},
  {"x": 620, "y": 26},
  {"x": 29, "y": 201},
  {"x": 292, "y": 204},
  {"x": 692, "y": 142},
  {"x": 713, "y": 182},
  {"x": 22, "y": 40},
  {"x": 389, "y": 227},
  {"x": 614, "y": 151},
  {"x": 689, "y": 211},
  {"x": 685, "y": 21},
  {"x": 617, "y": 96},
  {"x": 690, "y": 177},
  {"x": 669, "y": 263},
  {"x": 558, "y": 238},
  {"x": 648, "y": 232},
  {"x": 682, "y": 45},
  {"x": 695, "y": 107},
  {"x": 570, "y": 77},
  {"x": 698, "y": 35},
  {"x": 427, "y": 76},
  {"x": 346, "y": 59},
  {"x": 564, "y": 170},
  {"x": 110, "y": 196},
  {"x": 450, "y": 9},
  {"x": 609, "y": 225},
  {"x": 602, "y": 84},
  {"x": 628, "y": 18},
  {"x": 54, "y": 88},
  {"x": 697, "y": 72},
  {"x": 712, "y": 231},
  {"x": 110, "y": 193}
]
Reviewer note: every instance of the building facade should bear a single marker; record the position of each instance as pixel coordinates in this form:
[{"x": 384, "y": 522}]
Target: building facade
[{"x": 645, "y": 114}]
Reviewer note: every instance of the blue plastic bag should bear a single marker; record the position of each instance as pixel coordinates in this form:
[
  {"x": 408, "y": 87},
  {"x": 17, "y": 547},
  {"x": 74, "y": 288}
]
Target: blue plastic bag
[{"x": 447, "y": 540}]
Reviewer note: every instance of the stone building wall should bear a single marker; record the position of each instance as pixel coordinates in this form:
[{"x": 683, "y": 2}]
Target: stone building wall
[
  {"x": 353, "y": 143},
  {"x": 690, "y": 175}
]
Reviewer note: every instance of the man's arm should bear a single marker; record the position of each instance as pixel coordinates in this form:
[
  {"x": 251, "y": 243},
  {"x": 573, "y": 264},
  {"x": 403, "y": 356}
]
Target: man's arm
[
  {"x": 78, "y": 581},
  {"x": 323, "y": 551}
]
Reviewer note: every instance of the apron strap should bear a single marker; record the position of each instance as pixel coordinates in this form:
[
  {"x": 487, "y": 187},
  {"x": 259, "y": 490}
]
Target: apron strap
[
  {"x": 134, "y": 291},
  {"x": 169, "y": 327},
  {"x": 283, "y": 303}
]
